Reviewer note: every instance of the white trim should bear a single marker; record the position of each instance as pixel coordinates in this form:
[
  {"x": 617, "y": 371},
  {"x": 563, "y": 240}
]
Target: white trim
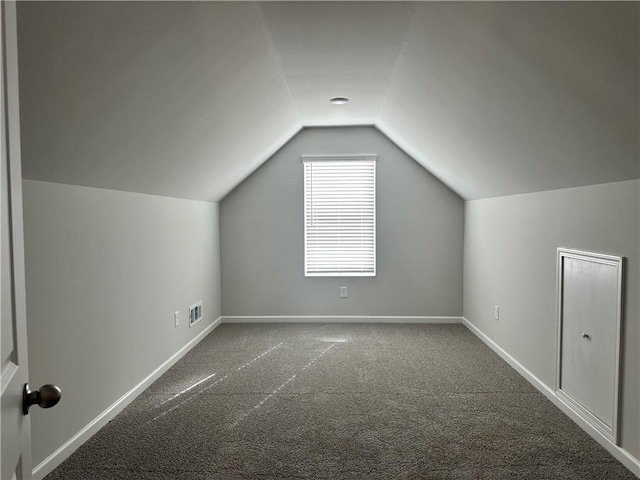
[
  {"x": 6, "y": 375},
  {"x": 341, "y": 274},
  {"x": 599, "y": 257},
  {"x": 373, "y": 157},
  {"x": 619, "y": 453},
  {"x": 337, "y": 319},
  {"x": 610, "y": 431},
  {"x": 587, "y": 416},
  {"x": 62, "y": 453}
]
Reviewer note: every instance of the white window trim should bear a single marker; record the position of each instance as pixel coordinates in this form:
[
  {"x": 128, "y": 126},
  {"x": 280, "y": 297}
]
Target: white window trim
[{"x": 341, "y": 158}]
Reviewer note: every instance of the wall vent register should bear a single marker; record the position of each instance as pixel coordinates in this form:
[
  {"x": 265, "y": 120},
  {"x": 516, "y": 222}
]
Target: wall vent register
[
  {"x": 195, "y": 313},
  {"x": 340, "y": 216}
]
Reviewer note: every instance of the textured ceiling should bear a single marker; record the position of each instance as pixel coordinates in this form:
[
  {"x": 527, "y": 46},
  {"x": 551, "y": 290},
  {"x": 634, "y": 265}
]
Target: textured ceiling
[{"x": 186, "y": 99}]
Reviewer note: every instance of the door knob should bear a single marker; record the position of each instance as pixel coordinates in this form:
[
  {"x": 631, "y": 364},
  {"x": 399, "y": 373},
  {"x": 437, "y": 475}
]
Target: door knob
[{"x": 46, "y": 397}]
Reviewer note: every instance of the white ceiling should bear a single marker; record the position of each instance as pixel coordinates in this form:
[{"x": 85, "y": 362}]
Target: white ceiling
[
  {"x": 178, "y": 99},
  {"x": 500, "y": 98},
  {"x": 338, "y": 49},
  {"x": 186, "y": 99}
]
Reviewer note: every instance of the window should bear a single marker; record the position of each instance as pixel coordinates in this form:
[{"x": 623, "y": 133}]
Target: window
[{"x": 340, "y": 216}]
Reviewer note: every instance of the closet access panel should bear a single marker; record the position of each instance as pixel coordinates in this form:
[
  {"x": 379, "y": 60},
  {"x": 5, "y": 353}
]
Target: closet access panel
[{"x": 589, "y": 322}]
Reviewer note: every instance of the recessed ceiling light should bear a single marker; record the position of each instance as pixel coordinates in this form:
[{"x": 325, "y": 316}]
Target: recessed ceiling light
[{"x": 339, "y": 100}]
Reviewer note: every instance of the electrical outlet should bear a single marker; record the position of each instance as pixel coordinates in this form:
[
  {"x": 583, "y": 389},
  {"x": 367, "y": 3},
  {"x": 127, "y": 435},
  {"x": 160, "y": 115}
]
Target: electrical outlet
[
  {"x": 176, "y": 319},
  {"x": 343, "y": 292},
  {"x": 496, "y": 313}
]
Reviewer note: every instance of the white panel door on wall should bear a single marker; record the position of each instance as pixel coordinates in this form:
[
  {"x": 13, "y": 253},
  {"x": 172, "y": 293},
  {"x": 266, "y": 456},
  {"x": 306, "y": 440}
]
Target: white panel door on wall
[
  {"x": 589, "y": 309},
  {"x": 15, "y": 395},
  {"x": 15, "y": 442}
]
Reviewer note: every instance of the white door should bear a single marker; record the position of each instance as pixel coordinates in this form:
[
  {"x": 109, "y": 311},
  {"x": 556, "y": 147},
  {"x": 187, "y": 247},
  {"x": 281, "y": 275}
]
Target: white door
[
  {"x": 15, "y": 442},
  {"x": 590, "y": 310}
]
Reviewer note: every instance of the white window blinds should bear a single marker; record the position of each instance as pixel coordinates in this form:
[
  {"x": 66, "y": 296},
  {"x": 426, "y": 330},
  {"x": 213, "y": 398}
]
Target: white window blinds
[{"x": 340, "y": 216}]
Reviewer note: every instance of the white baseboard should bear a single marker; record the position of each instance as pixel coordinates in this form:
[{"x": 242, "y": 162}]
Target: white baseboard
[
  {"x": 337, "y": 319},
  {"x": 62, "y": 453},
  {"x": 621, "y": 454}
]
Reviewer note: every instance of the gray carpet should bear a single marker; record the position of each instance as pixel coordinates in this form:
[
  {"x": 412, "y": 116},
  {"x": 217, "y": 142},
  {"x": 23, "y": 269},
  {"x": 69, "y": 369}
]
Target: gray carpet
[{"x": 328, "y": 401}]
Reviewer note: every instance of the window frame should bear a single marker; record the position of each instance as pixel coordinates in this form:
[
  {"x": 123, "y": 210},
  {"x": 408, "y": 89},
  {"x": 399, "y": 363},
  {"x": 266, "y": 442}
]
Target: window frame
[{"x": 340, "y": 159}]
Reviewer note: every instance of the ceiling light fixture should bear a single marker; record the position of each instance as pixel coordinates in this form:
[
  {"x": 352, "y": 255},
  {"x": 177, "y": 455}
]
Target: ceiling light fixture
[{"x": 339, "y": 100}]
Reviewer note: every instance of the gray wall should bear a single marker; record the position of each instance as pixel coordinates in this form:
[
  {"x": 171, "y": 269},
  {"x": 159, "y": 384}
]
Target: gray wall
[
  {"x": 510, "y": 261},
  {"x": 105, "y": 270},
  {"x": 419, "y": 237}
]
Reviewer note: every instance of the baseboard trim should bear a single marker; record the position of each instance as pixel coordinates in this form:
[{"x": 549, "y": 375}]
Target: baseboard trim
[
  {"x": 62, "y": 453},
  {"x": 619, "y": 453},
  {"x": 337, "y": 319}
]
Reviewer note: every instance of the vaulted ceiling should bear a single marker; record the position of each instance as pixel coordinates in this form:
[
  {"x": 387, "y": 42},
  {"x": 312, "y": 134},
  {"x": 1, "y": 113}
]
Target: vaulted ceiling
[{"x": 186, "y": 99}]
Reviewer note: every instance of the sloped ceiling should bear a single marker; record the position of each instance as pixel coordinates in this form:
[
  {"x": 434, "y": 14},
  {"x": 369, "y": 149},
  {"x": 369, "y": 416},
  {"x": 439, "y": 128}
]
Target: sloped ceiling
[
  {"x": 186, "y": 99},
  {"x": 171, "y": 98},
  {"x": 501, "y": 98}
]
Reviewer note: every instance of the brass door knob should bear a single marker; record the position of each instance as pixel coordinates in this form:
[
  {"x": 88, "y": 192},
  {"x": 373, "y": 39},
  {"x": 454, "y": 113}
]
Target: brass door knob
[{"x": 46, "y": 397}]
